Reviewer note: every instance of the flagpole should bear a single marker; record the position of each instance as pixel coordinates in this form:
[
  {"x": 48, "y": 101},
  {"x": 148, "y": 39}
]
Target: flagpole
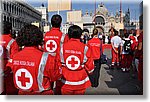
[{"x": 58, "y": 6}]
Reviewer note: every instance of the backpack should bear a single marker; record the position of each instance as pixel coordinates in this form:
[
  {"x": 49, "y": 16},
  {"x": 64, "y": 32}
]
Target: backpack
[{"x": 127, "y": 46}]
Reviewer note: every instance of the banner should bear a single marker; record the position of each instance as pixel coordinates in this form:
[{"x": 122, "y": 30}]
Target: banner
[
  {"x": 59, "y": 5},
  {"x": 74, "y": 16}
]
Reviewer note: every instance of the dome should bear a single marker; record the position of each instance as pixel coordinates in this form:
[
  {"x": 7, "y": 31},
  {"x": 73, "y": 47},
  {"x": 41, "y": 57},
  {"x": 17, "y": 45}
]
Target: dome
[{"x": 101, "y": 10}]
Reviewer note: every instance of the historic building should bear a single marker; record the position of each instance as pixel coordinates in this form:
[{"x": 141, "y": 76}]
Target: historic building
[
  {"x": 45, "y": 22},
  {"x": 19, "y": 13},
  {"x": 103, "y": 20}
]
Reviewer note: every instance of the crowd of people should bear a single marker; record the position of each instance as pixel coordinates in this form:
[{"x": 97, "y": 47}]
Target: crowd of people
[{"x": 60, "y": 64}]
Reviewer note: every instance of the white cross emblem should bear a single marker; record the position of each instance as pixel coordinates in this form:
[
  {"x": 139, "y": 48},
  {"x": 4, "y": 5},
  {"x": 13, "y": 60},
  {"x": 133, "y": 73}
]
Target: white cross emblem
[
  {"x": 73, "y": 62},
  {"x": 51, "y": 46},
  {"x": 24, "y": 79}
]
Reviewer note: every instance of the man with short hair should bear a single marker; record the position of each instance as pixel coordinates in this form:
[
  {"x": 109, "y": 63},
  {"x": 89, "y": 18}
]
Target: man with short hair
[{"x": 116, "y": 43}]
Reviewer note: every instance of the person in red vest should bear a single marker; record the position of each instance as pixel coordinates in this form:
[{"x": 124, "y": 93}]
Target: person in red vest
[
  {"x": 116, "y": 43},
  {"x": 9, "y": 47},
  {"x": 139, "y": 55},
  {"x": 54, "y": 38},
  {"x": 33, "y": 69},
  {"x": 134, "y": 45},
  {"x": 76, "y": 63},
  {"x": 95, "y": 44}
]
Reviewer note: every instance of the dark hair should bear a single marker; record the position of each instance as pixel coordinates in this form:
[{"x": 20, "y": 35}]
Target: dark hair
[
  {"x": 56, "y": 21},
  {"x": 126, "y": 35},
  {"x": 116, "y": 32},
  {"x": 74, "y": 32},
  {"x": 7, "y": 27},
  {"x": 95, "y": 32},
  {"x": 85, "y": 30},
  {"x": 30, "y": 35}
]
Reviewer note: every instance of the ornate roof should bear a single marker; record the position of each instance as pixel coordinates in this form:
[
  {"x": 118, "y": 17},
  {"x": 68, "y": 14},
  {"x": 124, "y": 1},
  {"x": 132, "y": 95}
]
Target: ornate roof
[{"x": 101, "y": 10}]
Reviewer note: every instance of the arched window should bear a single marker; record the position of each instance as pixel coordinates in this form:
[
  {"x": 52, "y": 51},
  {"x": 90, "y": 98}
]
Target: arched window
[{"x": 100, "y": 20}]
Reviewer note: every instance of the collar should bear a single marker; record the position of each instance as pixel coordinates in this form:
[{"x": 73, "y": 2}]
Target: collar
[
  {"x": 31, "y": 47},
  {"x": 95, "y": 36},
  {"x": 73, "y": 39},
  {"x": 53, "y": 28}
]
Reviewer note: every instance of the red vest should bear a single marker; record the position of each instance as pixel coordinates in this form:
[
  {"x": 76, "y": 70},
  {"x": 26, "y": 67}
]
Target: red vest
[
  {"x": 134, "y": 44},
  {"x": 95, "y": 45},
  {"x": 52, "y": 40},
  {"x": 8, "y": 48},
  {"x": 34, "y": 70},
  {"x": 76, "y": 65}
]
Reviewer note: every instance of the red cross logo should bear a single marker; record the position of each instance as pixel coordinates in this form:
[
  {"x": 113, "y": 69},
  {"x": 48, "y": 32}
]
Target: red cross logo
[
  {"x": 23, "y": 79},
  {"x": 51, "y": 46},
  {"x": 73, "y": 62}
]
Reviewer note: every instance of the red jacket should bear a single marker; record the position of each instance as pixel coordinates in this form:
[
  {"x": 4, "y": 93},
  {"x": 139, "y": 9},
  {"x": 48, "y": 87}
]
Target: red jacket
[
  {"x": 34, "y": 70},
  {"x": 134, "y": 44},
  {"x": 10, "y": 47},
  {"x": 53, "y": 39},
  {"x": 95, "y": 45},
  {"x": 77, "y": 63}
]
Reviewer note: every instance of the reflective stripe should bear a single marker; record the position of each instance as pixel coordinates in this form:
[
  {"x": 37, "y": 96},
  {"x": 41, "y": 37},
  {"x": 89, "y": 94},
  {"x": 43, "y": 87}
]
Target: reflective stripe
[
  {"x": 9, "y": 44},
  {"x": 61, "y": 55},
  {"x": 62, "y": 39},
  {"x": 85, "y": 51},
  {"x": 91, "y": 71},
  {"x": 53, "y": 54},
  {"x": 41, "y": 71},
  {"x": 8, "y": 47},
  {"x": 75, "y": 83},
  {"x": 10, "y": 60}
]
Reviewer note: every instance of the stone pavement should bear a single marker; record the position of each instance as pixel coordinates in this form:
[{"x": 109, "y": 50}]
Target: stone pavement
[{"x": 114, "y": 81}]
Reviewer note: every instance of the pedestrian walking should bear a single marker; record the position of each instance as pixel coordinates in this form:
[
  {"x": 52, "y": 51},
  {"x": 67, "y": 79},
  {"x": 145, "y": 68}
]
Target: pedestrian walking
[
  {"x": 33, "y": 69},
  {"x": 95, "y": 44},
  {"x": 76, "y": 64}
]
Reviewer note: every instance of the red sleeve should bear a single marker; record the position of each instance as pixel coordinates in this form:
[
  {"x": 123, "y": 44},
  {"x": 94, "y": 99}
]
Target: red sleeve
[
  {"x": 140, "y": 38},
  {"x": 14, "y": 49},
  {"x": 89, "y": 65}
]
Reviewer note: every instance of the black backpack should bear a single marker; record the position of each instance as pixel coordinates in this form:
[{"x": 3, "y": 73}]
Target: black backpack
[{"x": 127, "y": 46}]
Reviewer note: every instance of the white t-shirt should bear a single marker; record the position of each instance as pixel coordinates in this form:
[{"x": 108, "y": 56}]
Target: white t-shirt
[{"x": 117, "y": 41}]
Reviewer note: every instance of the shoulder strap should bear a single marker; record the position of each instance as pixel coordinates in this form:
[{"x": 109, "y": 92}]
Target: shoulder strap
[{"x": 41, "y": 70}]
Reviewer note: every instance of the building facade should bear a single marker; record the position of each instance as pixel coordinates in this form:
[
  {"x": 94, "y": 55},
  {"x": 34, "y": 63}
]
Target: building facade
[
  {"x": 19, "y": 13},
  {"x": 103, "y": 20},
  {"x": 45, "y": 22}
]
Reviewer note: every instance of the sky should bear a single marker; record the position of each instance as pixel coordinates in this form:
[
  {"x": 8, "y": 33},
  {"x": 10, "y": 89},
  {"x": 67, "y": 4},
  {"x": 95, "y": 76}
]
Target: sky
[{"x": 89, "y": 5}]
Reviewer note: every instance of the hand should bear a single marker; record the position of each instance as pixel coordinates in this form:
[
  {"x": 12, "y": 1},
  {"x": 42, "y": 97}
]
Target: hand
[{"x": 115, "y": 51}]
